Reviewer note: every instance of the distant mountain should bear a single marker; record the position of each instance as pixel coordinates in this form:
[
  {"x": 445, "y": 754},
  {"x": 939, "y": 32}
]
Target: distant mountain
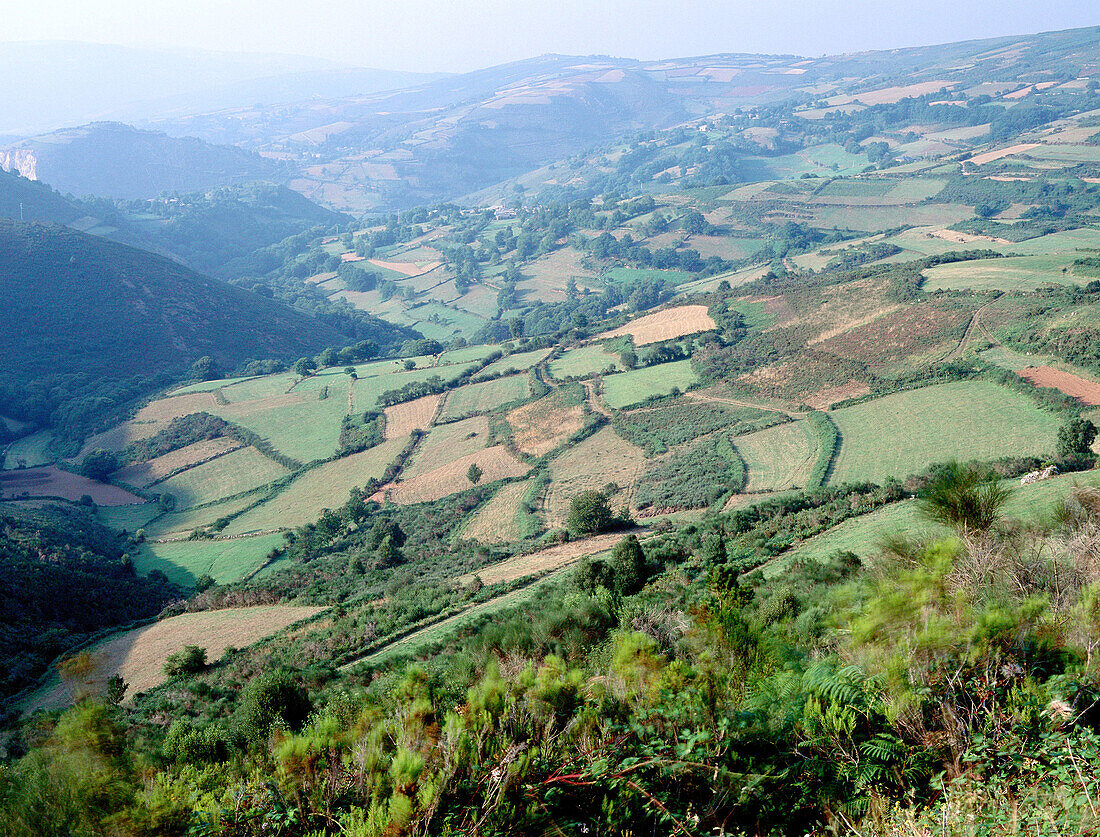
[
  {"x": 113, "y": 160},
  {"x": 461, "y": 133},
  {"x": 50, "y": 85},
  {"x": 73, "y": 304}
]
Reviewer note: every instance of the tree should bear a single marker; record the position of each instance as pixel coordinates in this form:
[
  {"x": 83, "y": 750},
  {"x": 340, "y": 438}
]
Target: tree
[
  {"x": 968, "y": 498},
  {"x": 190, "y": 660},
  {"x": 589, "y": 513},
  {"x": 275, "y": 697},
  {"x": 304, "y": 367},
  {"x": 474, "y": 473},
  {"x": 350, "y": 372},
  {"x": 205, "y": 369},
  {"x": 628, "y": 357},
  {"x": 628, "y": 566},
  {"x": 116, "y": 688},
  {"x": 329, "y": 357},
  {"x": 98, "y": 464},
  {"x": 1075, "y": 439}
]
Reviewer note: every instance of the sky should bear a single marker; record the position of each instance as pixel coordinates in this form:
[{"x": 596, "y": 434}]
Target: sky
[{"x": 460, "y": 35}]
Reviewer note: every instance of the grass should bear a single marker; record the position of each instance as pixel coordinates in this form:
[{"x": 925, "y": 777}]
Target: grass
[
  {"x": 446, "y": 443},
  {"x": 226, "y": 561},
  {"x": 584, "y": 361},
  {"x": 872, "y": 218},
  {"x": 1024, "y": 273},
  {"x": 778, "y": 457},
  {"x": 521, "y": 362},
  {"x": 182, "y": 523},
  {"x": 323, "y": 487},
  {"x": 903, "y": 433},
  {"x": 1067, "y": 153},
  {"x": 628, "y": 388},
  {"x": 485, "y": 397},
  {"x": 29, "y": 452},
  {"x": 237, "y": 472},
  {"x": 302, "y": 425},
  {"x": 467, "y": 354},
  {"x": 208, "y": 386},
  {"x": 252, "y": 388},
  {"x": 368, "y": 389},
  {"x": 498, "y": 521},
  {"x": 1014, "y": 361},
  {"x": 637, "y": 274}
]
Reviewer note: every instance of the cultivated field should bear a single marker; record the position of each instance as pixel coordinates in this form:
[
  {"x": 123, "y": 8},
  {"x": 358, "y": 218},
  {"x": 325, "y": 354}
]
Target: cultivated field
[
  {"x": 484, "y": 397},
  {"x": 139, "y": 655},
  {"x": 402, "y": 419},
  {"x": 323, "y": 487},
  {"x": 496, "y": 463},
  {"x": 584, "y": 361},
  {"x": 628, "y": 388},
  {"x": 665, "y": 325},
  {"x": 53, "y": 482},
  {"x": 602, "y": 458},
  {"x": 1000, "y": 153},
  {"x": 903, "y": 433},
  {"x": 302, "y": 425},
  {"x": 238, "y": 472},
  {"x": 498, "y": 520},
  {"x": 520, "y": 362},
  {"x": 180, "y": 524},
  {"x": 224, "y": 560},
  {"x": 1022, "y": 273},
  {"x": 778, "y": 457},
  {"x": 143, "y": 473},
  {"x": 543, "y": 561},
  {"x": 1087, "y": 392},
  {"x": 446, "y": 442},
  {"x": 542, "y": 425}
]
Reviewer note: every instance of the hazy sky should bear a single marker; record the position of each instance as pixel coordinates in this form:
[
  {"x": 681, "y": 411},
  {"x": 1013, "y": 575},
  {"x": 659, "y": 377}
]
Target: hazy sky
[{"x": 455, "y": 35}]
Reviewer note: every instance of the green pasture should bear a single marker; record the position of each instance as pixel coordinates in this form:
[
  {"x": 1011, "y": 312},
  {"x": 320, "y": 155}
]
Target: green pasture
[
  {"x": 367, "y": 390},
  {"x": 1024, "y": 273},
  {"x": 639, "y": 274},
  {"x": 467, "y": 354},
  {"x": 521, "y": 362},
  {"x": 237, "y": 472},
  {"x": 30, "y": 451},
  {"x": 484, "y": 397},
  {"x": 197, "y": 518},
  {"x": 266, "y": 387},
  {"x": 903, "y": 433},
  {"x": 209, "y": 386},
  {"x": 306, "y": 429},
  {"x": 184, "y": 561},
  {"x": 628, "y": 388},
  {"x": 778, "y": 457},
  {"x": 584, "y": 361}
]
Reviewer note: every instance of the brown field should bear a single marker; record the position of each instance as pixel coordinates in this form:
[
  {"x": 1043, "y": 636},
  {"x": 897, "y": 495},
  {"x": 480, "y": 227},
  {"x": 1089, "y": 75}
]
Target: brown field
[
  {"x": 665, "y": 325},
  {"x": 496, "y": 463},
  {"x": 447, "y": 442},
  {"x": 990, "y": 156},
  {"x": 601, "y": 458},
  {"x": 543, "y": 561},
  {"x": 146, "y": 473},
  {"x": 966, "y": 238},
  {"x": 495, "y": 522},
  {"x": 138, "y": 655},
  {"x": 167, "y": 409},
  {"x": 407, "y": 268},
  {"x": 403, "y": 419},
  {"x": 890, "y": 95},
  {"x": 1087, "y": 392},
  {"x": 53, "y": 482},
  {"x": 821, "y": 399},
  {"x": 544, "y": 424}
]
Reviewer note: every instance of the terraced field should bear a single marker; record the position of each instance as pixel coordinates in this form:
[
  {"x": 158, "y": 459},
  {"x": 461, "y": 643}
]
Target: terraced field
[
  {"x": 237, "y": 472},
  {"x": 600, "y": 459},
  {"x": 542, "y": 425},
  {"x": 498, "y": 520},
  {"x": 145, "y": 473},
  {"x": 496, "y": 463},
  {"x": 447, "y": 442},
  {"x": 224, "y": 560},
  {"x": 584, "y": 362}
]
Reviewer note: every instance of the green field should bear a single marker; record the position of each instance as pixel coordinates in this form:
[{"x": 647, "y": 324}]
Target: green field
[
  {"x": 29, "y": 452},
  {"x": 1066, "y": 153},
  {"x": 778, "y": 457},
  {"x": 303, "y": 425},
  {"x": 628, "y": 388},
  {"x": 872, "y": 218},
  {"x": 208, "y": 386},
  {"x": 467, "y": 354},
  {"x": 172, "y": 525},
  {"x": 265, "y": 387},
  {"x": 323, "y": 487},
  {"x": 1022, "y": 273},
  {"x": 521, "y": 362},
  {"x": 237, "y": 472},
  {"x": 584, "y": 361},
  {"x": 637, "y": 274},
  {"x": 484, "y": 397},
  {"x": 225, "y": 561},
  {"x": 903, "y": 433},
  {"x": 1014, "y": 361},
  {"x": 367, "y": 390}
]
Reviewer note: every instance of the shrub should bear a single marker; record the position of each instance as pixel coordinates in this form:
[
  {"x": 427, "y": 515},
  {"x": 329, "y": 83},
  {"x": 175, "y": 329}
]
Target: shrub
[{"x": 190, "y": 660}]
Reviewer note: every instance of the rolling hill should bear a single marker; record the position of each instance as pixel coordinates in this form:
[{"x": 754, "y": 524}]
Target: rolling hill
[{"x": 110, "y": 159}]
